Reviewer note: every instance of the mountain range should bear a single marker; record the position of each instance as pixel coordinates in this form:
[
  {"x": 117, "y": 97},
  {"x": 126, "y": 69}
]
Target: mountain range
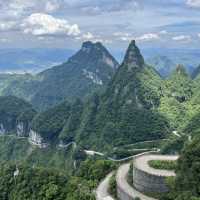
[
  {"x": 164, "y": 60},
  {"x": 52, "y": 152},
  {"x": 135, "y": 104},
  {"x": 125, "y": 112}
]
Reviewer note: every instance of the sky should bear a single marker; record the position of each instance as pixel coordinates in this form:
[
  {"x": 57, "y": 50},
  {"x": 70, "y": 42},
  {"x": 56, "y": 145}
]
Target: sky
[{"x": 68, "y": 23}]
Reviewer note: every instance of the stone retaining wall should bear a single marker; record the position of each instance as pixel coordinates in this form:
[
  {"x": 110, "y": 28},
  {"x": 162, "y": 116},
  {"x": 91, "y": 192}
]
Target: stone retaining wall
[
  {"x": 128, "y": 192},
  {"x": 148, "y": 183}
]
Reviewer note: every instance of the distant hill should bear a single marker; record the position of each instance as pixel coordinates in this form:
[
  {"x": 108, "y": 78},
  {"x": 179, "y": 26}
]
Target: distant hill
[
  {"x": 31, "y": 60},
  {"x": 165, "y": 60},
  {"x": 162, "y": 64},
  {"x": 196, "y": 72}
]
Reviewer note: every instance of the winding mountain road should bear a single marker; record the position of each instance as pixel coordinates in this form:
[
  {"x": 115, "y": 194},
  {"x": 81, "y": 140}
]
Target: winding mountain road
[
  {"x": 122, "y": 183},
  {"x": 142, "y": 163},
  {"x": 102, "y": 190}
]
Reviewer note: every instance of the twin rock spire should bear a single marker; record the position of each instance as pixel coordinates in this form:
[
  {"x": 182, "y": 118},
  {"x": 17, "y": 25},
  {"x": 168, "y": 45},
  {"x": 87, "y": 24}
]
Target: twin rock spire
[{"x": 133, "y": 57}]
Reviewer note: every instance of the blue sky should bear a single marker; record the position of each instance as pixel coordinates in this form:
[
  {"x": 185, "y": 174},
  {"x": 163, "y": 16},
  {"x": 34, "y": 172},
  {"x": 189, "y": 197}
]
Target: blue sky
[{"x": 67, "y": 23}]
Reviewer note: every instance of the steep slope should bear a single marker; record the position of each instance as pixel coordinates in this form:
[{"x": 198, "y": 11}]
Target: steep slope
[
  {"x": 50, "y": 123},
  {"x": 127, "y": 111},
  {"x": 15, "y": 116},
  {"x": 192, "y": 126},
  {"x": 177, "y": 92},
  {"x": 43, "y": 184},
  {"x": 89, "y": 69},
  {"x": 179, "y": 84}
]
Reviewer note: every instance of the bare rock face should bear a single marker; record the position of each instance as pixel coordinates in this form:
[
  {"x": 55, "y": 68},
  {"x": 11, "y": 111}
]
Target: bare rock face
[
  {"x": 2, "y": 130},
  {"x": 36, "y": 139},
  {"x": 133, "y": 57},
  {"x": 22, "y": 129}
]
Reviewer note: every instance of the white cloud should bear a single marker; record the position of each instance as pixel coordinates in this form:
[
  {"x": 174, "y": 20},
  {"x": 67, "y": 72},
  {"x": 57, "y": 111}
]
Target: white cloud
[
  {"x": 193, "y": 3},
  {"x": 94, "y": 38},
  {"x": 42, "y": 24},
  {"x": 20, "y": 8},
  {"x": 143, "y": 38},
  {"x": 6, "y": 26},
  {"x": 148, "y": 37},
  {"x": 163, "y": 32},
  {"x": 125, "y": 38},
  {"x": 88, "y": 36},
  {"x": 182, "y": 38},
  {"x": 122, "y": 34}
]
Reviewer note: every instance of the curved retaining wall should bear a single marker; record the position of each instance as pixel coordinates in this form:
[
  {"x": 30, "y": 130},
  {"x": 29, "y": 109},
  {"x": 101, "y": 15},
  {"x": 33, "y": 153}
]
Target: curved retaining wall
[
  {"x": 124, "y": 190},
  {"x": 145, "y": 182},
  {"x": 147, "y": 179}
]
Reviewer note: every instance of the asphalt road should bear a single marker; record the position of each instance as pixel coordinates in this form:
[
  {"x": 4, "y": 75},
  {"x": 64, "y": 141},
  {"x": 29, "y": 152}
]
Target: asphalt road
[
  {"x": 102, "y": 190},
  {"x": 124, "y": 185},
  {"x": 142, "y": 164}
]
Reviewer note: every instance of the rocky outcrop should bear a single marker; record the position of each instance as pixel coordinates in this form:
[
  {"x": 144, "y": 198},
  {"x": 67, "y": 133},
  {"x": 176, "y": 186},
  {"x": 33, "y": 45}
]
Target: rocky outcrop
[
  {"x": 20, "y": 129},
  {"x": 36, "y": 139},
  {"x": 2, "y": 129},
  {"x": 133, "y": 57},
  {"x": 23, "y": 129}
]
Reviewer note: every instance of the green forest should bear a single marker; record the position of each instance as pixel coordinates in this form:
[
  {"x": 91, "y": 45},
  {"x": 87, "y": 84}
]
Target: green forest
[{"x": 136, "y": 111}]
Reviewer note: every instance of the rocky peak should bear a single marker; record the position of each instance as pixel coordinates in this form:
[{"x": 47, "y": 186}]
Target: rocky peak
[
  {"x": 87, "y": 46},
  {"x": 90, "y": 46},
  {"x": 133, "y": 57},
  {"x": 94, "y": 56}
]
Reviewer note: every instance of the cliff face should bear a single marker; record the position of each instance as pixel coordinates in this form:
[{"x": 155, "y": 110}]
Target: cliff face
[
  {"x": 36, "y": 139},
  {"x": 15, "y": 116}
]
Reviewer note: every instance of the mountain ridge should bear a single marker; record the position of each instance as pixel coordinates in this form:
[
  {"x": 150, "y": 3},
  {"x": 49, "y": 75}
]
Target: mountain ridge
[{"x": 89, "y": 69}]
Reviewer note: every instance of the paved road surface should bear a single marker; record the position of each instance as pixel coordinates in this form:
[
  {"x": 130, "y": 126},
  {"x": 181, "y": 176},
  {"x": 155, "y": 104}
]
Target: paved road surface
[
  {"x": 124, "y": 185},
  {"x": 142, "y": 164},
  {"x": 102, "y": 190}
]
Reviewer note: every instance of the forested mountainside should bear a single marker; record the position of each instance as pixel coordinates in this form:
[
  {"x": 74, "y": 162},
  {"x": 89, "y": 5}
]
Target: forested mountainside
[
  {"x": 90, "y": 69},
  {"x": 125, "y": 113},
  {"x": 15, "y": 116},
  {"x": 37, "y": 183},
  {"x": 185, "y": 186},
  {"x": 137, "y": 105}
]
